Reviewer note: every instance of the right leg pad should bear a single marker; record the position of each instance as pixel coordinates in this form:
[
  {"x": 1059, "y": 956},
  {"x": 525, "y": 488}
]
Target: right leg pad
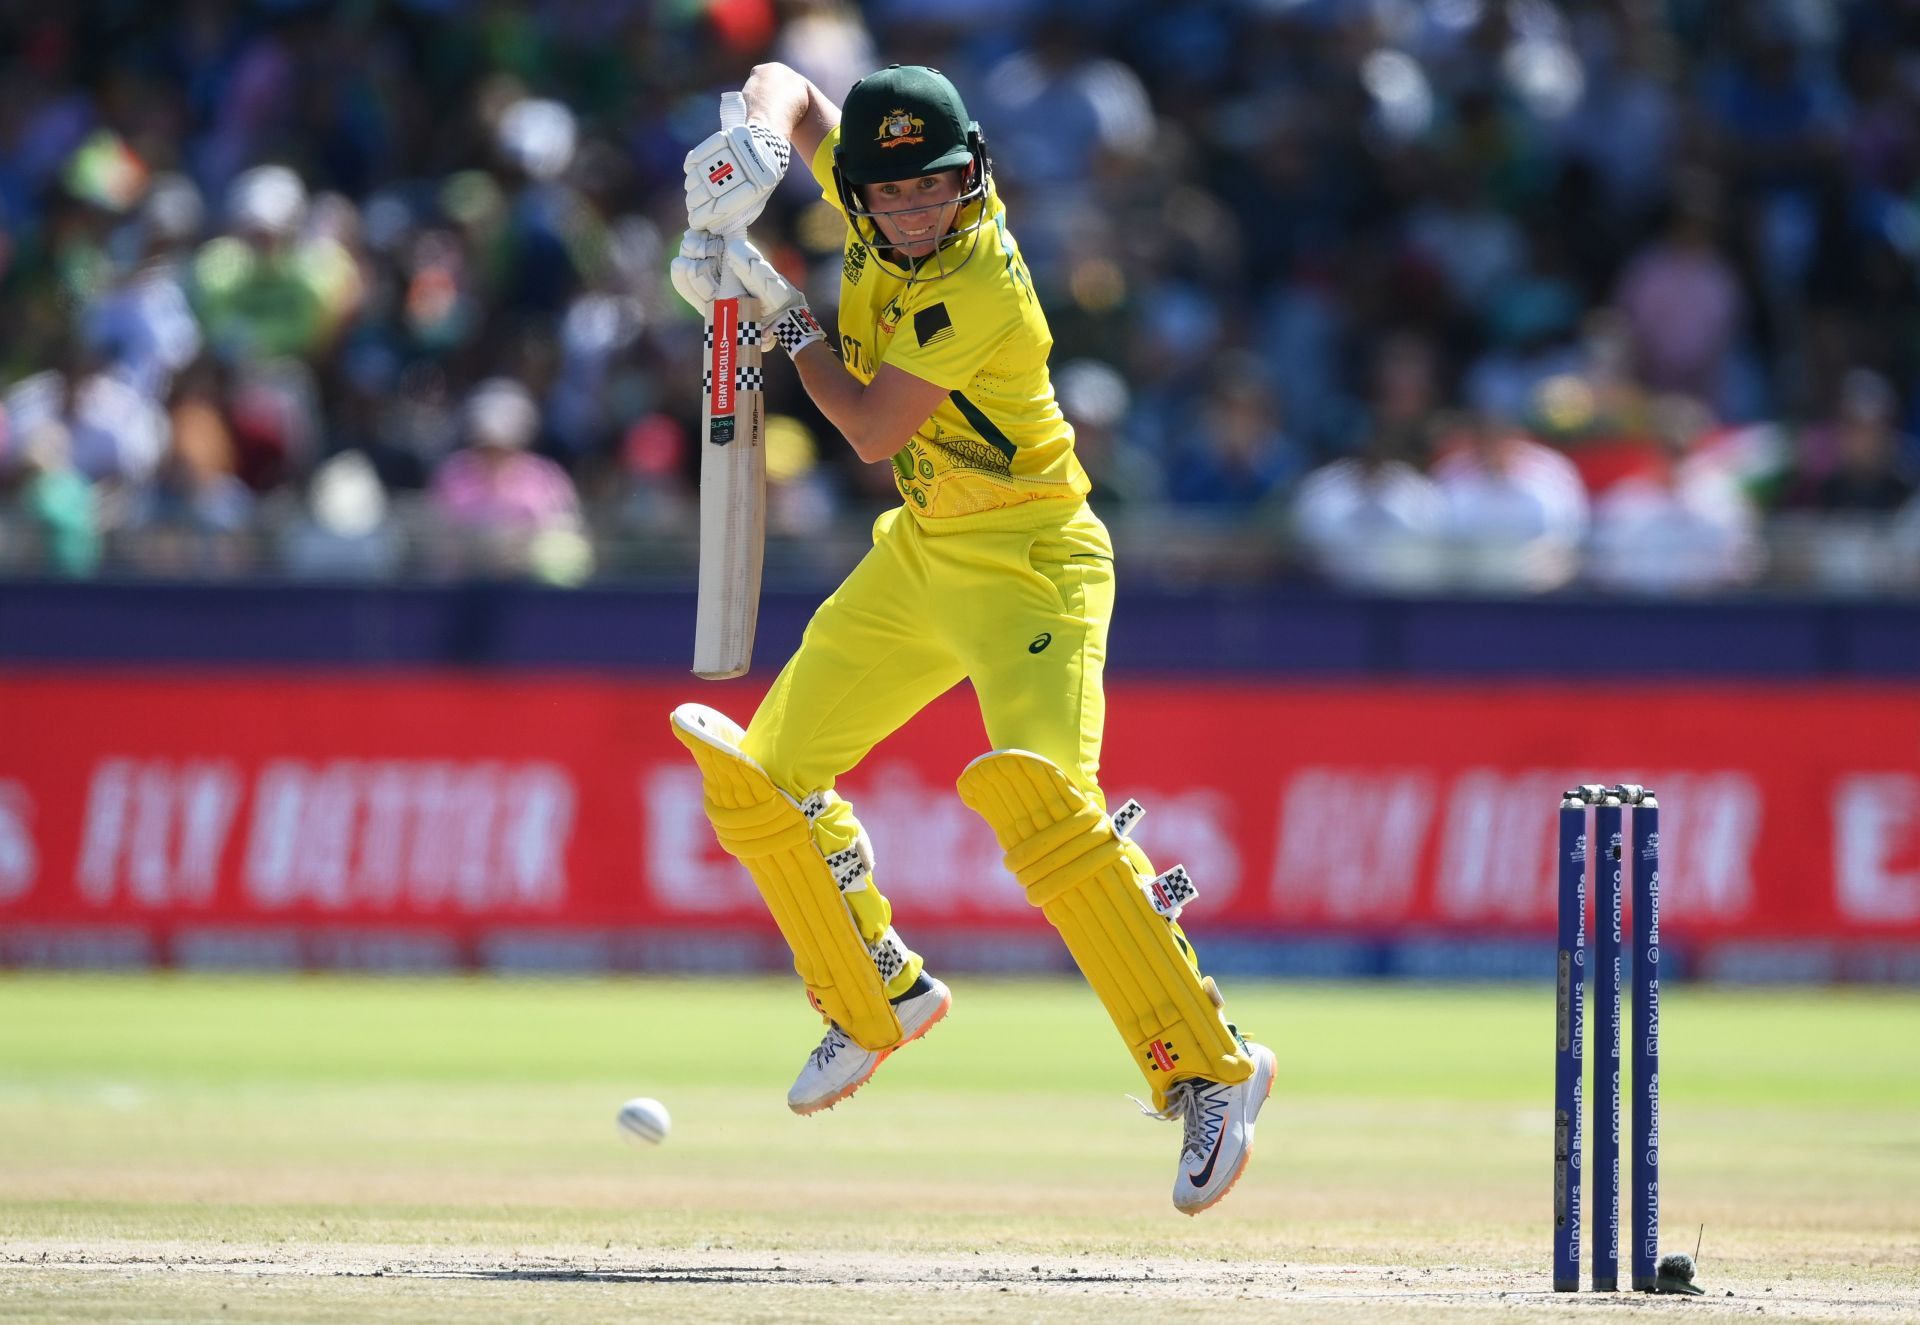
[{"x": 766, "y": 831}]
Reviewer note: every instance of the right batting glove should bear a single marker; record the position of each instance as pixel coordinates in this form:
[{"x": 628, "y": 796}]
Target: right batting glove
[{"x": 783, "y": 309}]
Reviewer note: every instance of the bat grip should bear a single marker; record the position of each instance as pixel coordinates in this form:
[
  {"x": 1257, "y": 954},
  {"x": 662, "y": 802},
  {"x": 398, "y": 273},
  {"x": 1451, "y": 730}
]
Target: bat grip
[{"x": 733, "y": 113}]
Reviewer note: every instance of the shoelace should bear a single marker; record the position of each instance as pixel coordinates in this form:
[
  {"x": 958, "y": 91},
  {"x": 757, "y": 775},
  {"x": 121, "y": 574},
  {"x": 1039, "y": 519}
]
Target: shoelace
[
  {"x": 1201, "y": 1105},
  {"x": 836, "y": 1041}
]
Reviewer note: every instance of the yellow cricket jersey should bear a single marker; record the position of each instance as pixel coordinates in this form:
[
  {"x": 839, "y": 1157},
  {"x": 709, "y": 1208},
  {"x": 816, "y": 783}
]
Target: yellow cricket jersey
[{"x": 998, "y": 441}]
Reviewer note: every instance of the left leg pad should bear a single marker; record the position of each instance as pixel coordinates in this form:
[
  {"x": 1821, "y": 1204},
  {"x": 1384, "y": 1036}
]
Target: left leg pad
[{"x": 1082, "y": 875}]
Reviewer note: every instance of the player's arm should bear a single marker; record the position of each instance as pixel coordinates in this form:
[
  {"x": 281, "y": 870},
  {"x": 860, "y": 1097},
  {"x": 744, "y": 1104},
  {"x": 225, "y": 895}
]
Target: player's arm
[
  {"x": 787, "y": 101},
  {"x": 876, "y": 419},
  {"x": 732, "y": 172}
]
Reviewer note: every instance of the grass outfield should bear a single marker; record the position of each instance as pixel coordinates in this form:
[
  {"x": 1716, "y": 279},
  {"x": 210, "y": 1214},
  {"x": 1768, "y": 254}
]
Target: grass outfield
[{"x": 181, "y": 1149}]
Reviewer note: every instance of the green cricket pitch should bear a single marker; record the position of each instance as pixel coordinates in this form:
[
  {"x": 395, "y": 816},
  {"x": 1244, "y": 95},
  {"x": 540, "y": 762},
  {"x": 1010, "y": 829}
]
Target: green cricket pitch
[{"x": 179, "y": 1149}]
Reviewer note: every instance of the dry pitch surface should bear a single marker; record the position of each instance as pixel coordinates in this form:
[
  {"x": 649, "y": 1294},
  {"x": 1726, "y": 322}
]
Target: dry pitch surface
[{"x": 182, "y": 1149}]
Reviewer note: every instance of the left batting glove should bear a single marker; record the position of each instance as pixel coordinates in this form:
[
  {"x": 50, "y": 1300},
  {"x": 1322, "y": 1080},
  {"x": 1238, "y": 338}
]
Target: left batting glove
[
  {"x": 783, "y": 309},
  {"x": 731, "y": 175}
]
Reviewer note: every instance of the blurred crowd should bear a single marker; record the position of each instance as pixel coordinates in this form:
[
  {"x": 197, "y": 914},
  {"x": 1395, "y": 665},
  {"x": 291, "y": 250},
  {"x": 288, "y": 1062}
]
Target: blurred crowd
[{"x": 1408, "y": 294}]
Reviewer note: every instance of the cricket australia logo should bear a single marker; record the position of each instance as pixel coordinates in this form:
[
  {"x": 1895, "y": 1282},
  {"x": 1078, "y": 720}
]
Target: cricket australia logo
[{"x": 899, "y": 128}]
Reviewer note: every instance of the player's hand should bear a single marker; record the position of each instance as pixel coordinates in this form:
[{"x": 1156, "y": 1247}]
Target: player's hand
[
  {"x": 697, "y": 271},
  {"x": 783, "y": 309},
  {"x": 731, "y": 175}
]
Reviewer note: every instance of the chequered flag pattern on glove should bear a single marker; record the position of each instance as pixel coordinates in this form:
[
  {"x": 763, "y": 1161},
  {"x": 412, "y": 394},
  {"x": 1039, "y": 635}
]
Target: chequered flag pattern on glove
[
  {"x": 777, "y": 147},
  {"x": 797, "y": 329}
]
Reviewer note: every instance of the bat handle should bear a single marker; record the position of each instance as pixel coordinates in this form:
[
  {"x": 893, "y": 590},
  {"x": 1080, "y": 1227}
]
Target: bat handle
[{"x": 733, "y": 113}]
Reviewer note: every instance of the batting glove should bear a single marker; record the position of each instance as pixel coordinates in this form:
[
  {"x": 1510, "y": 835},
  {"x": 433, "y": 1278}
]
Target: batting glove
[
  {"x": 731, "y": 175},
  {"x": 696, "y": 272},
  {"x": 783, "y": 309}
]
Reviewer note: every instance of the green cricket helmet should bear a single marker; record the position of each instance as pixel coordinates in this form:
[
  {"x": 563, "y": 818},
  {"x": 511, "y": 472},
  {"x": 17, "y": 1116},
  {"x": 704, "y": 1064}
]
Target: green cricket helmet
[{"x": 902, "y": 122}]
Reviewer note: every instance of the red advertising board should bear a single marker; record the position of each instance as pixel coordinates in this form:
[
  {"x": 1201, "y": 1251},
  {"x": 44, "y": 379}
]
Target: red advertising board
[{"x": 438, "y": 809}]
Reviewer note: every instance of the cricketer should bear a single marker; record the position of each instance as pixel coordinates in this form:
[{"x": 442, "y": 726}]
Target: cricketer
[{"x": 993, "y": 568}]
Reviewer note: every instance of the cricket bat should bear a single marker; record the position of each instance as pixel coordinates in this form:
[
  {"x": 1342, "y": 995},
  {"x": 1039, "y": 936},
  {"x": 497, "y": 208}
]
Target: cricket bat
[{"x": 733, "y": 463}]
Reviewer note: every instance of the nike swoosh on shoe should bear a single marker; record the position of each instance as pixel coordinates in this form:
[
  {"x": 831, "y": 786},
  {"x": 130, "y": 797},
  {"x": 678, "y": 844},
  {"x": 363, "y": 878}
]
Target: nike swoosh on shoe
[{"x": 1204, "y": 1176}]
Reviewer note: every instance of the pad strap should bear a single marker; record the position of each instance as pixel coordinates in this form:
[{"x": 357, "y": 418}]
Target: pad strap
[{"x": 1169, "y": 891}]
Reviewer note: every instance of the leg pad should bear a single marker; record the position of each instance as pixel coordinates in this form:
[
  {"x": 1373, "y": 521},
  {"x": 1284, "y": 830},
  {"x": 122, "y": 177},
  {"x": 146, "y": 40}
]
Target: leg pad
[
  {"x": 1088, "y": 882},
  {"x": 764, "y": 829}
]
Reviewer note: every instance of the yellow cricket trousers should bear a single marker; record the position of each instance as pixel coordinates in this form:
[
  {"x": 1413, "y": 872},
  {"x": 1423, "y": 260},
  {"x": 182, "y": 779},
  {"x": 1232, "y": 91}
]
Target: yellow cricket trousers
[{"x": 1022, "y": 611}]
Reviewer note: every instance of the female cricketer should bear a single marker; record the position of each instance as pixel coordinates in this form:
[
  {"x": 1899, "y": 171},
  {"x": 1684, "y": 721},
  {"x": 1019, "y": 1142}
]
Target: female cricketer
[{"x": 993, "y": 568}]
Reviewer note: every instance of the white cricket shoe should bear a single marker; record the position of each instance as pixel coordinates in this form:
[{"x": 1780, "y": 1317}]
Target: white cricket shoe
[
  {"x": 1218, "y": 1138},
  {"x": 839, "y": 1066}
]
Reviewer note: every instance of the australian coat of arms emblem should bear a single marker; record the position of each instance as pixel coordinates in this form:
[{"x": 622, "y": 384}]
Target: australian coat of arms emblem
[{"x": 899, "y": 128}]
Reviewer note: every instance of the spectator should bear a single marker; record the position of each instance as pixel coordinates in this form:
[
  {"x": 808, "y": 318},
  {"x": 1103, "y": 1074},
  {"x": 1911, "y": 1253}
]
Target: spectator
[
  {"x": 345, "y": 531},
  {"x": 1512, "y": 512},
  {"x": 1683, "y": 302},
  {"x": 1476, "y": 247},
  {"x": 1857, "y": 462},
  {"x": 192, "y": 515},
  {"x": 1094, "y": 399},
  {"x": 1405, "y": 397},
  {"x": 59, "y": 503},
  {"x": 1371, "y": 522},
  {"x": 141, "y": 324},
  {"x": 1686, "y": 528},
  {"x": 496, "y": 496},
  {"x": 1240, "y": 455},
  {"x": 261, "y": 290},
  {"x": 1060, "y": 107},
  {"x": 115, "y": 433},
  {"x": 827, "y": 42},
  {"x": 553, "y": 231}
]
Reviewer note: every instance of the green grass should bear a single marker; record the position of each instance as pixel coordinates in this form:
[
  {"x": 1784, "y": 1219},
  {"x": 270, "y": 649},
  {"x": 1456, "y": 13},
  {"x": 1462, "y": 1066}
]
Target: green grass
[{"x": 283, "y": 1139}]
